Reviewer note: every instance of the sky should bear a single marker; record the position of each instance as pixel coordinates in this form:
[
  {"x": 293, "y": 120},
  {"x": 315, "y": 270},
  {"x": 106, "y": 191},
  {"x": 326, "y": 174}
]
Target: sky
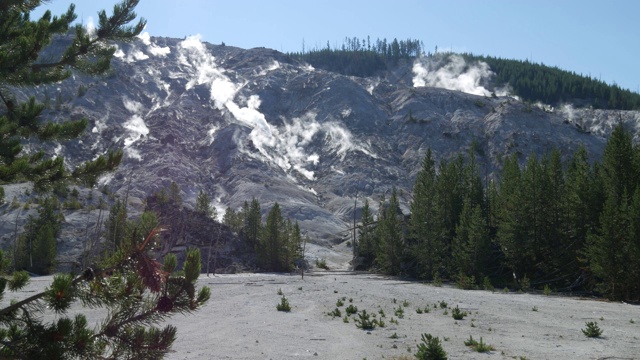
[{"x": 596, "y": 38}]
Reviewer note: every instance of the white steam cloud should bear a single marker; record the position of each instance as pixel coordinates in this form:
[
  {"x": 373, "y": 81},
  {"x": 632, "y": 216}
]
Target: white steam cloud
[
  {"x": 153, "y": 48},
  {"x": 90, "y": 27},
  {"x": 285, "y": 147},
  {"x": 453, "y": 73},
  {"x": 135, "y": 126}
]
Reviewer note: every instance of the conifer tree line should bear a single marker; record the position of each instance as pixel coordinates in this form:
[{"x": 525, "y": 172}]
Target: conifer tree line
[
  {"x": 361, "y": 57},
  {"x": 530, "y": 81},
  {"x": 277, "y": 242},
  {"x": 551, "y": 85},
  {"x": 574, "y": 226}
]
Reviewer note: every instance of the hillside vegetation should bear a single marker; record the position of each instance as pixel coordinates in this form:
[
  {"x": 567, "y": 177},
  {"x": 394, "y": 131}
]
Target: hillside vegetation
[{"x": 530, "y": 81}]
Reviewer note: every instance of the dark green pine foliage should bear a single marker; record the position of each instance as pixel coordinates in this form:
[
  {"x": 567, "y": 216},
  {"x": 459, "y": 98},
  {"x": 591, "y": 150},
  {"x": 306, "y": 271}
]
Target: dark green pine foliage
[
  {"x": 583, "y": 206},
  {"x": 367, "y": 241},
  {"x": 471, "y": 248},
  {"x": 425, "y": 240},
  {"x": 390, "y": 229},
  {"x": 611, "y": 249},
  {"x": 270, "y": 249},
  {"x": 135, "y": 292},
  {"x": 116, "y": 226},
  {"x": 450, "y": 194},
  {"x": 203, "y": 204},
  {"x": 551, "y": 85},
  {"x": 21, "y": 65},
  {"x": 36, "y": 247},
  {"x": 252, "y": 222},
  {"x": 512, "y": 219},
  {"x": 361, "y": 57},
  {"x": 279, "y": 242}
]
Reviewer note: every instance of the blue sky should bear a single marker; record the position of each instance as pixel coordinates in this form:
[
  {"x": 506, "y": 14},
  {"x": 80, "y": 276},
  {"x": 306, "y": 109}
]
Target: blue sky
[{"x": 600, "y": 38}]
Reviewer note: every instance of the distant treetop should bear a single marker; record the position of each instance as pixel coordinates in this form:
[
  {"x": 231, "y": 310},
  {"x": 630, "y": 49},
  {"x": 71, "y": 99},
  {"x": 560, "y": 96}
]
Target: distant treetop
[{"x": 530, "y": 81}]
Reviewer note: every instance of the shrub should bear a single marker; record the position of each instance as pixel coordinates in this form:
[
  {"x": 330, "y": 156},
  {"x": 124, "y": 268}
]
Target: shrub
[
  {"x": 399, "y": 312},
  {"x": 437, "y": 281},
  {"x": 430, "y": 349},
  {"x": 486, "y": 284},
  {"x": 322, "y": 264},
  {"x": 280, "y": 292},
  {"x": 458, "y": 314},
  {"x": 478, "y": 346},
  {"x": 419, "y": 311},
  {"x": 466, "y": 282},
  {"x": 443, "y": 304},
  {"x": 284, "y": 305},
  {"x": 405, "y": 303},
  {"x": 335, "y": 313},
  {"x": 482, "y": 347},
  {"x": 339, "y": 303},
  {"x": 351, "y": 309},
  {"x": 525, "y": 284},
  {"x": 364, "y": 321},
  {"x": 547, "y": 290},
  {"x": 592, "y": 329}
]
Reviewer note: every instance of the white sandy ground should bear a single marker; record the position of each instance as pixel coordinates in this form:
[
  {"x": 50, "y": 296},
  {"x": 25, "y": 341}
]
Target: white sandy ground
[{"x": 241, "y": 321}]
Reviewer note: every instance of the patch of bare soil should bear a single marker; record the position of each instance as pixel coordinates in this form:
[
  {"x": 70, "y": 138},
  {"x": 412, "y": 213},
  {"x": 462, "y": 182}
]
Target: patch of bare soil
[{"x": 241, "y": 321}]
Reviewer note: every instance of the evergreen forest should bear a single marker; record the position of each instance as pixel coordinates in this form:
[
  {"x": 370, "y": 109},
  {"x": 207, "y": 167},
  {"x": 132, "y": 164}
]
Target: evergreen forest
[
  {"x": 530, "y": 81},
  {"x": 572, "y": 226}
]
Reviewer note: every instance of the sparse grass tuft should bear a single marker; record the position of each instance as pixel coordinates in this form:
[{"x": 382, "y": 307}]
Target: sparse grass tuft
[
  {"x": 443, "y": 304},
  {"x": 547, "y": 290},
  {"x": 335, "y": 313},
  {"x": 478, "y": 346},
  {"x": 399, "y": 312},
  {"x": 339, "y": 303},
  {"x": 279, "y": 291}
]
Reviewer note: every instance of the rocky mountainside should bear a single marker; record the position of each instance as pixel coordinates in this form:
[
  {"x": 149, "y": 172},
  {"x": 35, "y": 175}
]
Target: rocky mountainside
[{"x": 256, "y": 123}]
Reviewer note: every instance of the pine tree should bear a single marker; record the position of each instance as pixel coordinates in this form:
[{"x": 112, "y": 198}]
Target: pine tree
[
  {"x": 512, "y": 219},
  {"x": 366, "y": 237},
  {"x": 203, "y": 204},
  {"x": 116, "y": 226},
  {"x": 424, "y": 226},
  {"x": 391, "y": 232},
  {"x": 36, "y": 247},
  {"x": 272, "y": 249},
  {"x": 137, "y": 291},
  {"x": 471, "y": 246},
  {"x": 609, "y": 249},
  {"x": 174, "y": 193},
  {"x": 20, "y": 65},
  {"x": 253, "y": 222}
]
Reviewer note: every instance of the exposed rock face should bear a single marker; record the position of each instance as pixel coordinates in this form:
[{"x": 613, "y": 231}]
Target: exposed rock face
[{"x": 256, "y": 123}]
